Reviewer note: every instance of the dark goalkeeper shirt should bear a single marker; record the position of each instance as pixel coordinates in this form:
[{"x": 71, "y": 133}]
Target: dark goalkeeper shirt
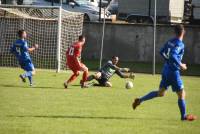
[{"x": 108, "y": 70}]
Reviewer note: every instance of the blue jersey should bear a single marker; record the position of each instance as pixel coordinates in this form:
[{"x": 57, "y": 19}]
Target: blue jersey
[
  {"x": 173, "y": 52},
  {"x": 20, "y": 50}
]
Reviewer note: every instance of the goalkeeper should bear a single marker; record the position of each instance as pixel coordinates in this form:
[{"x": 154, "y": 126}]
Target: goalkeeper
[{"x": 108, "y": 70}]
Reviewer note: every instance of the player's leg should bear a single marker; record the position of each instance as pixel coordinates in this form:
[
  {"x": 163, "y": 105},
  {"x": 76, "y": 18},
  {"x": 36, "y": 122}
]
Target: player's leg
[
  {"x": 23, "y": 76},
  {"x": 108, "y": 84},
  {"x": 94, "y": 76},
  {"x": 153, "y": 94},
  {"x": 72, "y": 78},
  {"x": 85, "y": 75},
  {"x": 30, "y": 71},
  {"x": 179, "y": 89},
  {"x": 182, "y": 107},
  {"x": 181, "y": 103},
  {"x": 33, "y": 72}
]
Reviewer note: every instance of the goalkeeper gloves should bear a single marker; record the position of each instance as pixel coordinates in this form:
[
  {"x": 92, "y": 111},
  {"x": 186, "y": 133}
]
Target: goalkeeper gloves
[{"x": 132, "y": 76}]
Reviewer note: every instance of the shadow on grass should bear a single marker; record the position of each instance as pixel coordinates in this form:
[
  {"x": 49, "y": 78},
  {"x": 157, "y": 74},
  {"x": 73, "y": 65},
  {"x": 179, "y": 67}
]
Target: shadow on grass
[
  {"x": 20, "y": 86},
  {"x": 40, "y": 87},
  {"x": 74, "y": 117},
  {"x": 84, "y": 117}
]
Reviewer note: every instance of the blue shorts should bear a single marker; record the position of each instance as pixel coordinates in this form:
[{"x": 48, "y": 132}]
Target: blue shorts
[
  {"x": 173, "y": 79},
  {"x": 27, "y": 65}
]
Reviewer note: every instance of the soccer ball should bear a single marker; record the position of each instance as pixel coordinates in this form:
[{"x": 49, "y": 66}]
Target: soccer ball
[{"x": 129, "y": 85}]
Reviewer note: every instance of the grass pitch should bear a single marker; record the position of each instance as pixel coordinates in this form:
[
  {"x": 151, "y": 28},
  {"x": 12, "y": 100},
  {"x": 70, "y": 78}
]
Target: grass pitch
[{"x": 47, "y": 108}]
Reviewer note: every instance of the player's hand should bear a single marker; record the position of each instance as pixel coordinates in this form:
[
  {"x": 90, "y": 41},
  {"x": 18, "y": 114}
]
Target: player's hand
[
  {"x": 126, "y": 69},
  {"x": 132, "y": 76},
  {"x": 183, "y": 66},
  {"x": 36, "y": 46}
]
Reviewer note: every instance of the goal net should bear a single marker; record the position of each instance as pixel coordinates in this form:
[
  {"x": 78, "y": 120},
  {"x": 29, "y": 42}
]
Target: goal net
[{"x": 52, "y": 28}]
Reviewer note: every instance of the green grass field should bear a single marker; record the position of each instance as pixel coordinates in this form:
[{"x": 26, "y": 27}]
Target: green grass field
[{"x": 47, "y": 109}]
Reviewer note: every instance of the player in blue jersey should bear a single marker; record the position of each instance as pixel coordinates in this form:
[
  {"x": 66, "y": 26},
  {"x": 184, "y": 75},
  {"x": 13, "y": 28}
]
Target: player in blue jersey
[
  {"x": 21, "y": 50},
  {"x": 172, "y": 52}
]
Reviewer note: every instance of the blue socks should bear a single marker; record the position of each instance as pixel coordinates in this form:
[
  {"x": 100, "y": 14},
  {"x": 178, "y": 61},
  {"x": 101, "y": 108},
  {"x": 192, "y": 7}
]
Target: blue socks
[
  {"x": 29, "y": 75},
  {"x": 30, "y": 80},
  {"x": 182, "y": 105},
  {"x": 149, "y": 96}
]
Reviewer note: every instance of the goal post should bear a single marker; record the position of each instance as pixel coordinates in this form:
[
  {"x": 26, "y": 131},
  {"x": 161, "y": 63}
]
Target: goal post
[
  {"x": 53, "y": 28},
  {"x": 59, "y": 39}
]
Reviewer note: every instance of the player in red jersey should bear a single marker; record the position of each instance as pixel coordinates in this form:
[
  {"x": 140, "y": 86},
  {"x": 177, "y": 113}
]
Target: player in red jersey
[{"x": 73, "y": 55}]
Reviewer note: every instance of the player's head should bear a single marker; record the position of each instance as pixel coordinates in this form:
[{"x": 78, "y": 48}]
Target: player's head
[
  {"x": 179, "y": 30},
  {"x": 115, "y": 60},
  {"x": 81, "y": 39},
  {"x": 22, "y": 34}
]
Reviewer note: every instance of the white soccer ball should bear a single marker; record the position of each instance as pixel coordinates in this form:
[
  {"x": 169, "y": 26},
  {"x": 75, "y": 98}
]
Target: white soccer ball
[{"x": 129, "y": 85}]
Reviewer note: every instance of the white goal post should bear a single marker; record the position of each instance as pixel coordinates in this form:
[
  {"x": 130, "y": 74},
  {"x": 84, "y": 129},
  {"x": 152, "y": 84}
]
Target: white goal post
[{"x": 53, "y": 28}]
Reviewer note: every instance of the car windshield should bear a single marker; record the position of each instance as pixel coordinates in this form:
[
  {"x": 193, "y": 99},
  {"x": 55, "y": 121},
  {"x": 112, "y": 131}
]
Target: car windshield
[
  {"x": 83, "y": 2},
  {"x": 114, "y": 2}
]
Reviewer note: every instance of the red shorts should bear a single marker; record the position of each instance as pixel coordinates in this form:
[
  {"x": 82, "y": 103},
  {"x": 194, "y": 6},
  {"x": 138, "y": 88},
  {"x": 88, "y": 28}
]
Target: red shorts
[{"x": 74, "y": 65}]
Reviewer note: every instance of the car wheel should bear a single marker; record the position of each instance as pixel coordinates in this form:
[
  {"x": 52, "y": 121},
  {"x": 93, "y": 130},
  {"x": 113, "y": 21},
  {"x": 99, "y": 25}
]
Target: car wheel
[{"x": 132, "y": 19}]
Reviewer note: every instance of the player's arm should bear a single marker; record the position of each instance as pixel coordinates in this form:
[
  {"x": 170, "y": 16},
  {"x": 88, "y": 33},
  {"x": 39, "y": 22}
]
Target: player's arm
[
  {"x": 174, "y": 57},
  {"x": 163, "y": 54},
  {"x": 109, "y": 63},
  {"x": 33, "y": 48},
  {"x": 121, "y": 69},
  {"x": 125, "y": 75},
  {"x": 116, "y": 67},
  {"x": 124, "y": 69},
  {"x": 121, "y": 74}
]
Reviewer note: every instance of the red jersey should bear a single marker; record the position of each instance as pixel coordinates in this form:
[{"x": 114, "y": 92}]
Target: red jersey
[
  {"x": 72, "y": 54},
  {"x": 74, "y": 51}
]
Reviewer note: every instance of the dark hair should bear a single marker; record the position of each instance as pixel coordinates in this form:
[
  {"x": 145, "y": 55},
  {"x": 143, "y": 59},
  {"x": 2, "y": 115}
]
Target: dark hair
[
  {"x": 81, "y": 37},
  {"x": 179, "y": 29},
  {"x": 114, "y": 57},
  {"x": 20, "y": 32}
]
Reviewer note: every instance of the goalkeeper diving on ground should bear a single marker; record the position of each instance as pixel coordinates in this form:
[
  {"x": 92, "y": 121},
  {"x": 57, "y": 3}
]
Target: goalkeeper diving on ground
[{"x": 108, "y": 70}]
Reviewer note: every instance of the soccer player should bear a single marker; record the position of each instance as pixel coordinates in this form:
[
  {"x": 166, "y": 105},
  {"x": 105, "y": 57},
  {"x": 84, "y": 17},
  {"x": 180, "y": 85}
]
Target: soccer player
[
  {"x": 73, "y": 55},
  {"x": 108, "y": 70},
  {"x": 172, "y": 52},
  {"x": 21, "y": 50}
]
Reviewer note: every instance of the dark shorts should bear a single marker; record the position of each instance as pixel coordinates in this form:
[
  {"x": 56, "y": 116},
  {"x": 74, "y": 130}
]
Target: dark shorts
[{"x": 102, "y": 81}]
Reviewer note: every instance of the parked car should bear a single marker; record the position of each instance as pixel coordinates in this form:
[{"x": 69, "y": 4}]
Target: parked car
[
  {"x": 113, "y": 7},
  {"x": 104, "y": 3},
  {"x": 28, "y": 2},
  {"x": 93, "y": 2},
  {"x": 91, "y": 12}
]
